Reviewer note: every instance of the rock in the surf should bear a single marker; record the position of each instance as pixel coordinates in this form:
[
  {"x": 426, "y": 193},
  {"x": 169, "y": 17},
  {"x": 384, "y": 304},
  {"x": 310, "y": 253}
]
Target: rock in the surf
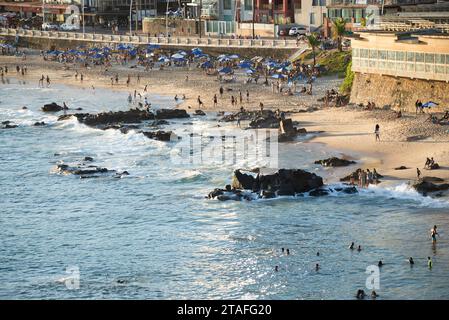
[
  {"x": 334, "y": 162},
  {"x": 171, "y": 114},
  {"x": 160, "y": 135},
  {"x": 52, "y": 107}
]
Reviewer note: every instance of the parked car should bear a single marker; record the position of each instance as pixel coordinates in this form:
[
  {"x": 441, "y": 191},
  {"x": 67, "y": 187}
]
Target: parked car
[
  {"x": 295, "y": 31},
  {"x": 68, "y": 27},
  {"x": 49, "y": 26}
]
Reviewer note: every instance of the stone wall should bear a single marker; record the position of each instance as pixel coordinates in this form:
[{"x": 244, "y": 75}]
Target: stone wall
[
  {"x": 399, "y": 93},
  {"x": 176, "y": 27}
]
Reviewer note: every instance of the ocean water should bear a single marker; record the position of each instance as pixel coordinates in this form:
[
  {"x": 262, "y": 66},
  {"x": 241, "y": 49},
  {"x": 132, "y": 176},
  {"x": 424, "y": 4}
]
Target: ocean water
[{"x": 153, "y": 235}]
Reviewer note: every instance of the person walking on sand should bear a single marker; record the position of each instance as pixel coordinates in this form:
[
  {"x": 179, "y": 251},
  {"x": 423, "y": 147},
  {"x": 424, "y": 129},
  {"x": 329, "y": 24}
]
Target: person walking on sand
[
  {"x": 377, "y": 132},
  {"x": 116, "y": 78},
  {"x": 221, "y": 92},
  {"x": 433, "y": 234},
  {"x": 215, "y": 100},
  {"x": 418, "y": 173},
  {"x": 48, "y": 81},
  {"x": 200, "y": 103},
  {"x": 247, "y": 96},
  {"x": 81, "y": 77},
  {"x": 240, "y": 97},
  {"x": 76, "y": 75},
  {"x": 232, "y": 100}
]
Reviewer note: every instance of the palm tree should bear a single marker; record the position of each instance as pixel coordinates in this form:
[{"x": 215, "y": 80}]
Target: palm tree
[
  {"x": 339, "y": 28},
  {"x": 313, "y": 43}
]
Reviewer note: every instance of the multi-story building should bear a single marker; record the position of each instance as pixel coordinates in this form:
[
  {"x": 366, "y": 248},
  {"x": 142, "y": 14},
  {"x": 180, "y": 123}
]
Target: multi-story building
[{"x": 311, "y": 12}]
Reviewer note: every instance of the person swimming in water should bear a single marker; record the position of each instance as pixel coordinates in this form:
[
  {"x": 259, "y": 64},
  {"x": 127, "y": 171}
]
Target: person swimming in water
[
  {"x": 317, "y": 267},
  {"x": 374, "y": 295},
  {"x": 359, "y": 248},
  {"x": 351, "y": 247},
  {"x": 410, "y": 260},
  {"x": 429, "y": 262},
  {"x": 276, "y": 268},
  {"x": 360, "y": 294},
  {"x": 380, "y": 263},
  {"x": 288, "y": 251}
]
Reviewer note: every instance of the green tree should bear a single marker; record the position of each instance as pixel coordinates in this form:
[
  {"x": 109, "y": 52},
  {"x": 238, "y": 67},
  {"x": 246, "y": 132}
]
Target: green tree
[
  {"x": 339, "y": 29},
  {"x": 313, "y": 43}
]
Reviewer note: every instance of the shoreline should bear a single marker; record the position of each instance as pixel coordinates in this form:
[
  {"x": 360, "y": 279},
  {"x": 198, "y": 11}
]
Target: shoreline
[{"x": 347, "y": 131}]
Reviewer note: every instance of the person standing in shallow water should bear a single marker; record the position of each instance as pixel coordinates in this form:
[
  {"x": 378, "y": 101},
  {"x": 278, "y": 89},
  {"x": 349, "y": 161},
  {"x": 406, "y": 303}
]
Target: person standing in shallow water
[{"x": 433, "y": 234}]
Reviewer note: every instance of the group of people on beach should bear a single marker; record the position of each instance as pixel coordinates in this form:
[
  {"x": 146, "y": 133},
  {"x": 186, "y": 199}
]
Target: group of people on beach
[{"x": 363, "y": 178}]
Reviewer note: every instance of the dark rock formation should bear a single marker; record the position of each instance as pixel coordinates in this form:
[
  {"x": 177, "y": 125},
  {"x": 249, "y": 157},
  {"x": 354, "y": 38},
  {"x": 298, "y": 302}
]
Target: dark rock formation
[
  {"x": 401, "y": 168},
  {"x": 161, "y": 122},
  {"x": 432, "y": 179},
  {"x": 285, "y": 182},
  {"x": 335, "y": 162},
  {"x": 52, "y": 107},
  {"x": 171, "y": 114},
  {"x": 355, "y": 175},
  {"x": 90, "y": 159},
  {"x": 287, "y": 132},
  {"x": 200, "y": 113},
  {"x": 425, "y": 187},
  {"x": 159, "y": 135},
  {"x": 85, "y": 172},
  {"x": 8, "y": 125},
  {"x": 41, "y": 123}
]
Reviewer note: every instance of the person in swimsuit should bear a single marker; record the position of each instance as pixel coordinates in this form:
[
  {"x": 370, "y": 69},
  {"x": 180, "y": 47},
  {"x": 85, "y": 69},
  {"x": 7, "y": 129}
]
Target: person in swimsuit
[{"x": 433, "y": 233}]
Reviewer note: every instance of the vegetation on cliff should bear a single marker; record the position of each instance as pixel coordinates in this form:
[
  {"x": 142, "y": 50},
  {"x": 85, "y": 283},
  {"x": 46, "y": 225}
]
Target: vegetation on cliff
[{"x": 346, "y": 85}]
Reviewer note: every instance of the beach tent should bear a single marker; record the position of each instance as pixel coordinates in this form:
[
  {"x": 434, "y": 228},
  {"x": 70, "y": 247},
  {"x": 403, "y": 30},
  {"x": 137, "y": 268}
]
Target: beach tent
[
  {"x": 153, "y": 46},
  {"x": 250, "y": 71},
  {"x": 225, "y": 70},
  {"x": 233, "y": 56}
]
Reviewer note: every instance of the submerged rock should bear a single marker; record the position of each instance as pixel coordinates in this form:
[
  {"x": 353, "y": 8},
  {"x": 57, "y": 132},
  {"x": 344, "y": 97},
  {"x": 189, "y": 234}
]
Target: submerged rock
[
  {"x": 334, "y": 162},
  {"x": 85, "y": 172},
  {"x": 41, "y": 123}
]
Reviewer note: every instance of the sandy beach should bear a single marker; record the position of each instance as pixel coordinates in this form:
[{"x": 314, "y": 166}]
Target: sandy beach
[{"x": 348, "y": 130}]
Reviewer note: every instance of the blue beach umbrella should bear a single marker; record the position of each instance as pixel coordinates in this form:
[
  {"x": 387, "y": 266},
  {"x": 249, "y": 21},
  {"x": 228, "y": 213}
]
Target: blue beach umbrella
[
  {"x": 245, "y": 65},
  {"x": 225, "y": 70},
  {"x": 206, "y": 65},
  {"x": 177, "y": 56}
]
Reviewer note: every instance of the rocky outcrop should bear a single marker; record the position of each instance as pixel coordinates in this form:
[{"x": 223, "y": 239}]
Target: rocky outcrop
[
  {"x": 52, "y": 107},
  {"x": 171, "y": 114},
  {"x": 39, "y": 124},
  {"x": 425, "y": 187},
  {"x": 8, "y": 125},
  {"x": 401, "y": 168},
  {"x": 282, "y": 183},
  {"x": 90, "y": 171},
  {"x": 159, "y": 135},
  {"x": 355, "y": 176},
  {"x": 334, "y": 162},
  {"x": 200, "y": 113},
  {"x": 287, "y": 132}
]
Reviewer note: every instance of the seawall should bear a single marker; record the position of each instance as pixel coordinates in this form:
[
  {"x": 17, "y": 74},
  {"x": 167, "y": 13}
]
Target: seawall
[{"x": 399, "y": 93}]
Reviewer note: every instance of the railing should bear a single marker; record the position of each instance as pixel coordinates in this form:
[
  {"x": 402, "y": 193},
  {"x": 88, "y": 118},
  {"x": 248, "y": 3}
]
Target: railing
[{"x": 163, "y": 41}]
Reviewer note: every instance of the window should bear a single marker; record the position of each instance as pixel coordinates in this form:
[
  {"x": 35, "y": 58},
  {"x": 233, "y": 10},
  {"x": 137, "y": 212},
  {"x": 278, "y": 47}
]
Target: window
[
  {"x": 373, "y": 54},
  {"x": 440, "y": 58},
  {"x": 227, "y": 4},
  {"x": 419, "y": 57},
  {"x": 248, "y": 4},
  {"x": 430, "y": 57},
  {"x": 439, "y": 69},
  {"x": 410, "y": 56},
  {"x": 383, "y": 54},
  {"x": 312, "y": 18},
  {"x": 392, "y": 55},
  {"x": 400, "y": 56},
  {"x": 364, "y": 53},
  {"x": 355, "y": 52}
]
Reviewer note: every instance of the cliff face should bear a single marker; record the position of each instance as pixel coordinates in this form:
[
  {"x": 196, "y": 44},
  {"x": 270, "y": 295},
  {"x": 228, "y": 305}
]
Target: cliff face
[{"x": 398, "y": 92}]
